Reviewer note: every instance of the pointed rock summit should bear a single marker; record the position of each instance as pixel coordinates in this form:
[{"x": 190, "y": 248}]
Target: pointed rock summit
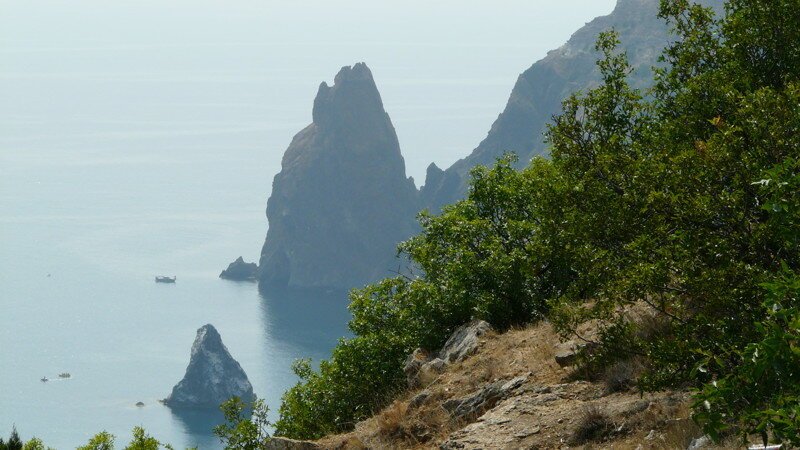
[
  {"x": 212, "y": 377},
  {"x": 342, "y": 201}
]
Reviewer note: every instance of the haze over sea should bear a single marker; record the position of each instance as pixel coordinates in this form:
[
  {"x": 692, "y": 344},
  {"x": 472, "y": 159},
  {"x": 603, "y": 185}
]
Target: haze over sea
[{"x": 141, "y": 138}]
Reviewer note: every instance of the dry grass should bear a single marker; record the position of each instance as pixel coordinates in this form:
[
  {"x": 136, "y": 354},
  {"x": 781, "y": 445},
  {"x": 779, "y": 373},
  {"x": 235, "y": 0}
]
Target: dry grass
[
  {"x": 650, "y": 326},
  {"x": 594, "y": 425},
  {"x": 622, "y": 375},
  {"x": 391, "y": 421},
  {"x": 680, "y": 433}
]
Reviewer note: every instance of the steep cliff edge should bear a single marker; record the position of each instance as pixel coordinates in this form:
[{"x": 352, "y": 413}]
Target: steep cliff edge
[
  {"x": 342, "y": 201},
  {"x": 539, "y": 91}
]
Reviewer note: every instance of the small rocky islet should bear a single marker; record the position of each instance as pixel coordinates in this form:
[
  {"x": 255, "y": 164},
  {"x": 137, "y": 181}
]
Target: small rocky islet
[
  {"x": 240, "y": 270},
  {"x": 212, "y": 376}
]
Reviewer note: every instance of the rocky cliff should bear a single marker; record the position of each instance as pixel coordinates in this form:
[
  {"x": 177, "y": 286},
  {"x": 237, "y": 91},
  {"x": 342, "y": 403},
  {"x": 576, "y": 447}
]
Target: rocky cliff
[
  {"x": 212, "y": 377},
  {"x": 341, "y": 201},
  {"x": 539, "y": 91}
]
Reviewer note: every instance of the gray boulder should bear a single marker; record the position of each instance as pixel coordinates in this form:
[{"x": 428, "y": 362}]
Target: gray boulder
[
  {"x": 240, "y": 271},
  {"x": 482, "y": 400},
  {"x": 280, "y": 443},
  {"x": 421, "y": 367},
  {"x": 413, "y": 365},
  {"x": 212, "y": 377},
  {"x": 566, "y": 353},
  {"x": 464, "y": 341},
  {"x": 700, "y": 443}
]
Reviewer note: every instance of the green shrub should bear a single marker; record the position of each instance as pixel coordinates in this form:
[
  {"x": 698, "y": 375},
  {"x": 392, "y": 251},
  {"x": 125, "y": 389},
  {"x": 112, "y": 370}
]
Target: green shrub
[
  {"x": 758, "y": 389},
  {"x": 245, "y": 426}
]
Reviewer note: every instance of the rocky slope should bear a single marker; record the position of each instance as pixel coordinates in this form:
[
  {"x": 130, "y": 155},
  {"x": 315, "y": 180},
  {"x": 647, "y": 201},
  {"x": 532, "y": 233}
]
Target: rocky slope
[
  {"x": 212, "y": 377},
  {"x": 539, "y": 91},
  {"x": 342, "y": 201},
  {"x": 506, "y": 391}
]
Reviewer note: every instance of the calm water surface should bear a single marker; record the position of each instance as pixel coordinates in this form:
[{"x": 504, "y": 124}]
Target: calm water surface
[{"x": 76, "y": 276}]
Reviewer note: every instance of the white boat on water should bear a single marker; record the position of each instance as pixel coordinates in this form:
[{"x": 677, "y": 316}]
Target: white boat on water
[
  {"x": 64, "y": 375},
  {"x": 161, "y": 279},
  {"x": 44, "y": 380}
]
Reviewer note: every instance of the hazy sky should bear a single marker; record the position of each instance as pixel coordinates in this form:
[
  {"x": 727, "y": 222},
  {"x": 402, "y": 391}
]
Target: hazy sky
[{"x": 110, "y": 81}]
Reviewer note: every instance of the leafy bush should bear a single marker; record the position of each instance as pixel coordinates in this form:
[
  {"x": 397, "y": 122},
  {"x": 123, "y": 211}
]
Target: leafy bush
[
  {"x": 364, "y": 372},
  {"x": 245, "y": 426},
  {"x": 100, "y": 441},
  {"x": 757, "y": 389},
  {"x": 662, "y": 197},
  {"x": 759, "y": 386},
  {"x": 140, "y": 441}
]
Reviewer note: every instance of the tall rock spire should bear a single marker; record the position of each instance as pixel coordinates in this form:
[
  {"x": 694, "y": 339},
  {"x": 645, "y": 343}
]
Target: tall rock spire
[{"x": 341, "y": 202}]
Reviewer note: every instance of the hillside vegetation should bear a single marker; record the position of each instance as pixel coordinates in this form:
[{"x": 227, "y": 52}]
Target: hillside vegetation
[
  {"x": 682, "y": 198},
  {"x": 661, "y": 238}
]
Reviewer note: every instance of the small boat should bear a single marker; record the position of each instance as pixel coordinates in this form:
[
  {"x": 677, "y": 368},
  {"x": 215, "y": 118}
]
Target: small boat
[
  {"x": 160, "y": 279},
  {"x": 64, "y": 375},
  {"x": 44, "y": 380}
]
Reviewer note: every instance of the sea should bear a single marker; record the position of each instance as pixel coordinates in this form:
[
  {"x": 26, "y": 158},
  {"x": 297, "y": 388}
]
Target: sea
[{"x": 140, "y": 138}]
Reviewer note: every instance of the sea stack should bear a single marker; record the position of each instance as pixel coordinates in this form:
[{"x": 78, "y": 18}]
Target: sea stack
[
  {"x": 212, "y": 377},
  {"x": 341, "y": 202}
]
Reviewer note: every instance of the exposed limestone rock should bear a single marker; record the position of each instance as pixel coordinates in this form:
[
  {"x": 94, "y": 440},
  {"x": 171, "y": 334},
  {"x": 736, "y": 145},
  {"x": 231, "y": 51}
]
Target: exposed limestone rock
[
  {"x": 539, "y": 91},
  {"x": 464, "y": 341},
  {"x": 212, "y": 377},
  {"x": 566, "y": 353},
  {"x": 419, "y": 399},
  {"x": 280, "y": 443},
  {"x": 422, "y": 368},
  {"x": 482, "y": 400},
  {"x": 526, "y": 419},
  {"x": 430, "y": 371},
  {"x": 699, "y": 443},
  {"x": 413, "y": 364},
  {"x": 341, "y": 202},
  {"x": 240, "y": 271}
]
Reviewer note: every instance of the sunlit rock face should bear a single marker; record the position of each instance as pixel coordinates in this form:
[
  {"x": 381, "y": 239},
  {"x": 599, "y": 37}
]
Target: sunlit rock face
[
  {"x": 212, "y": 377},
  {"x": 540, "y": 90},
  {"x": 341, "y": 202}
]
